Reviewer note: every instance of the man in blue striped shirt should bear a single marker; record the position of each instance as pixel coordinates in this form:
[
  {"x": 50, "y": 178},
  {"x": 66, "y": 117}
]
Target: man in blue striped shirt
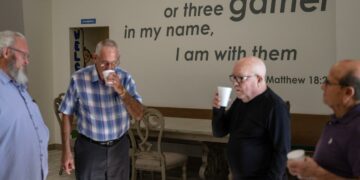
[
  {"x": 103, "y": 113},
  {"x": 23, "y": 134}
]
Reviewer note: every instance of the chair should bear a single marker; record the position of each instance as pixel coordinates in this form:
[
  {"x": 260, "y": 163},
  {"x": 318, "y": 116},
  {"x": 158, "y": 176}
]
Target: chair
[
  {"x": 288, "y": 105},
  {"x": 147, "y": 156},
  {"x": 57, "y": 102}
]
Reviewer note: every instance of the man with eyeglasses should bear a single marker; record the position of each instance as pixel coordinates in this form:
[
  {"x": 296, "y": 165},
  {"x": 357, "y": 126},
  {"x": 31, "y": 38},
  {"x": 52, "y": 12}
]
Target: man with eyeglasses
[
  {"x": 23, "y": 134},
  {"x": 337, "y": 153},
  {"x": 103, "y": 112},
  {"x": 258, "y": 123}
]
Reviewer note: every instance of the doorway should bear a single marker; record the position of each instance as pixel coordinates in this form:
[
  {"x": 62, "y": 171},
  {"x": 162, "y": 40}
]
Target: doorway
[{"x": 83, "y": 42}]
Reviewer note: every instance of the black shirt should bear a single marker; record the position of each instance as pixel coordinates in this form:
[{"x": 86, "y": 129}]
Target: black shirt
[{"x": 259, "y": 136}]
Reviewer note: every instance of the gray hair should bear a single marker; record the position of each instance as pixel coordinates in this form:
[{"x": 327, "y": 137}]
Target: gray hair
[
  {"x": 106, "y": 43},
  {"x": 351, "y": 80},
  {"x": 7, "y": 39}
]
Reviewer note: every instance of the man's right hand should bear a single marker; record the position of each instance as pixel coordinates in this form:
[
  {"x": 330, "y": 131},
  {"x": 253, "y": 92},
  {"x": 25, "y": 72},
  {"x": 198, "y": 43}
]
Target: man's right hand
[
  {"x": 216, "y": 101},
  {"x": 67, "y": 162}
]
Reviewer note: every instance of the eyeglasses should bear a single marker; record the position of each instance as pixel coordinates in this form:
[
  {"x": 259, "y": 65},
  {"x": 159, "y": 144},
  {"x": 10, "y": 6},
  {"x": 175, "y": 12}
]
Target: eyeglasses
[
  {"x": 328, "y": 83},
  {"x": 105, "y": 63},
  {"x": 239, "y": 79},
  {"x": 25, "y": 55}
]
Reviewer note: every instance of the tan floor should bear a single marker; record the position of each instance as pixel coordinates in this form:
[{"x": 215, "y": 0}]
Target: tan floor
[{"x": 54, "y": 166}]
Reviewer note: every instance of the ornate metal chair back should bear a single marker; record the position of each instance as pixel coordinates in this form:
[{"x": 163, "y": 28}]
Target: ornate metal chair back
[{"x": 57, "y": 102}]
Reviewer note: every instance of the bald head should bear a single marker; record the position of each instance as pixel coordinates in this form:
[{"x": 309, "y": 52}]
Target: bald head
[
  {"x": 249, "y": 78},
  {"x": 347, "y": 67},
  {"x": 252, "y": 65},
  {"x": 347, "y": 73},
  {"x": 341, "y": 91}
]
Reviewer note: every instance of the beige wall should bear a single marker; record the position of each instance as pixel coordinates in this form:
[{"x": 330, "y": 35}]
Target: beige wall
[
  {"x": 163, "y": 81},
  {"x": 38, "y": 30},
  {"x": 11, "y": 15},
  {"x": 347, "y": 29},
  {"x": 47, "y": 26}
]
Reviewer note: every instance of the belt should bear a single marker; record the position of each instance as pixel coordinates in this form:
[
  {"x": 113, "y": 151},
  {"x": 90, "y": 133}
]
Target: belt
[{"x": 101, "y": 143}]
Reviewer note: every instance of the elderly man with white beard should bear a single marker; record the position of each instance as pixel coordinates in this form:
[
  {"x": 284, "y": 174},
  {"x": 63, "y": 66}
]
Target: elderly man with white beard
[{"x": 23, "y": 134}]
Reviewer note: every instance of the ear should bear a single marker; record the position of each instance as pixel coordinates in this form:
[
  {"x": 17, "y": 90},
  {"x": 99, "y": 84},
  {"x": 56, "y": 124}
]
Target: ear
[
  {"x": 349, "y": 93},
  {"x": 5, "y": 53},
  {"x": 94, "y": 56},
  {"x": 260, "y": 78}
]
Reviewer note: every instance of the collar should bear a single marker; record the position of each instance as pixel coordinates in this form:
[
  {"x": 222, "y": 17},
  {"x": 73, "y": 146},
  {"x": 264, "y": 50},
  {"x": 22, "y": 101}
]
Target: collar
[
  {"x": 94, "y": 74},
  {"x": 348, "y": 117},
  {"x": 260, "y": 96},
  {"x": 5, "y": 79}
]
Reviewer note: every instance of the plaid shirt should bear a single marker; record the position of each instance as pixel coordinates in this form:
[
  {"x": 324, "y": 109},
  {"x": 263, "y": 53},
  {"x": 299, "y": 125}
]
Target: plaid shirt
[{"x": 101, "y": 114}]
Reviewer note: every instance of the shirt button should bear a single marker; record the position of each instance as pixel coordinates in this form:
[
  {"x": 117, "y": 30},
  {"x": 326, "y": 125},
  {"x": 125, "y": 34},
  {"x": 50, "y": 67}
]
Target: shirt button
[
  {"x": 36, "y": 128},
  {"x": 41, "y": 141}
]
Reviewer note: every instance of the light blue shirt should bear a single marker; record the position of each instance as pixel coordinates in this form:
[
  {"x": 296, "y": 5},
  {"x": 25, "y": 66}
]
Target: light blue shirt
[
  {"x": 100, "y": 112},
  {"x": 23, "y": 135}
]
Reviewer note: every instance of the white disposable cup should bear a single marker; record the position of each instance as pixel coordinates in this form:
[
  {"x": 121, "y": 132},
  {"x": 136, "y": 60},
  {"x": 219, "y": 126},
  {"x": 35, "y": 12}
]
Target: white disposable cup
[
  {"x": 297, "y": 155},
  {"x": 224, "y": 95},
  {"x": 106, "y": 73}
]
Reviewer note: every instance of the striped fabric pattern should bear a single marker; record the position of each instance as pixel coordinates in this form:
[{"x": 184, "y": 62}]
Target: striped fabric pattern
[{"x": 101, "y": 114}]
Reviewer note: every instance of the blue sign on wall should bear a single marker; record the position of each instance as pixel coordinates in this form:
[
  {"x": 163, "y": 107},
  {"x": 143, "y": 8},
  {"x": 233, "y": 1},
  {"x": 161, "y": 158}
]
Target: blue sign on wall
[{"x": 88, "y": 21}]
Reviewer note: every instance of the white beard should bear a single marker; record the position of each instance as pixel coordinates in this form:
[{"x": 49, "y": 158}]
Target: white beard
[{"x": 19, "y": 75}]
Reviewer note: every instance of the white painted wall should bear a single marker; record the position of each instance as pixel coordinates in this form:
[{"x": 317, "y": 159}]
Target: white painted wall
[
  {"x": 347, "y": 29},
  {"x": 11, "y": 15},
  {"x": 38, "y": 30},
  {"x": 49, "y": 41},
  {"x": 163, "y": 81}
]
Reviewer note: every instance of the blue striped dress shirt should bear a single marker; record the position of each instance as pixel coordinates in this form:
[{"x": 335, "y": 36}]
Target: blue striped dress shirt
[
  {"x": 100, "y": 112},
  {"x": 23, "y": 134}
]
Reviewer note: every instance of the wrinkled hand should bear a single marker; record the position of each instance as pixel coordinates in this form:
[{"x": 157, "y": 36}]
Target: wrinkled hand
[
  {"x": 116, "y": 83},
  {"x": 67, "y": 162},
  {"x": 216, "y": 101},
  {"x": 305, "y": 169}
]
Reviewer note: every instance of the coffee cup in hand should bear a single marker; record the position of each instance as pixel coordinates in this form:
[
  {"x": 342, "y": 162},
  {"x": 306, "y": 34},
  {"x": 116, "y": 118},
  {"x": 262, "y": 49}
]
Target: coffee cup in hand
[
  {"x": 224, "y": 95},
  {"x": 296, "y": 155},
  {"x": 106, "y": 74}
]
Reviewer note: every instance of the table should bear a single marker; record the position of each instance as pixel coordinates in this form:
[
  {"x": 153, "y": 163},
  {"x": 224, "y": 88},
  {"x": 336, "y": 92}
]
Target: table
[{"x": 214, "y": 163}]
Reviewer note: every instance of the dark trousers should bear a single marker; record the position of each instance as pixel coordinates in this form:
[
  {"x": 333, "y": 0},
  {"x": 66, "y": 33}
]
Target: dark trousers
[{"x": 98, "y": 162}]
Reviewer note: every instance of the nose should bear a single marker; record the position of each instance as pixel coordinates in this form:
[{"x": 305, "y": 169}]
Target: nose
[
  {"x": 26, "y": 61},
  {"x": 235, "y": 83},
  {"x": 323, "y": 86},
  {"x": 111, "y": 66},
  {"x": 108, "y": 67}
]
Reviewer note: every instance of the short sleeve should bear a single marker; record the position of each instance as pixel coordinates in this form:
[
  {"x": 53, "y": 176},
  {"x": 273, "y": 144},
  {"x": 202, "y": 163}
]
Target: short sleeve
[{"x": 67, "y": 106}]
